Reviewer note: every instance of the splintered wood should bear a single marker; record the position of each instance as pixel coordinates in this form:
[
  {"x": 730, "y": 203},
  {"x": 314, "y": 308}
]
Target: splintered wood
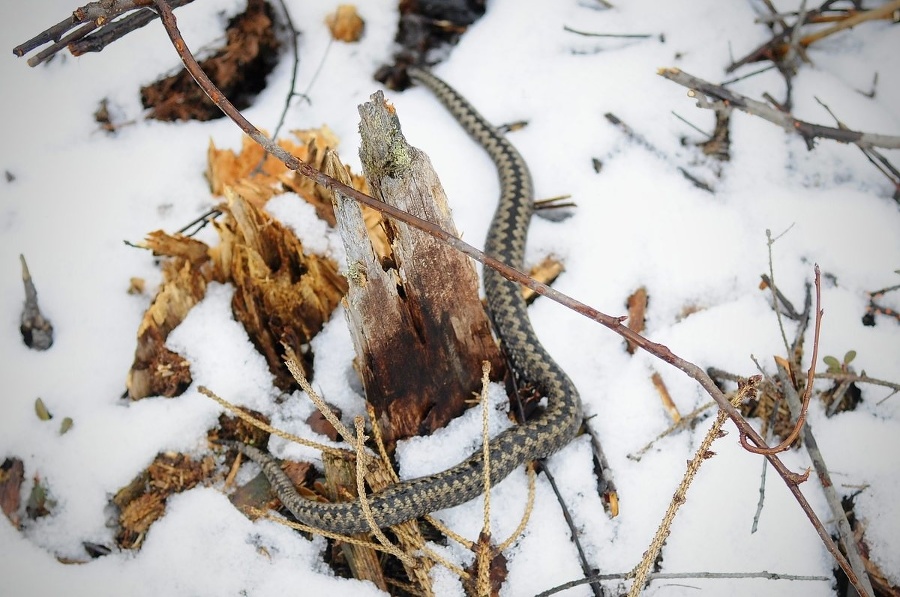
[
  {"x": 143, "y": 501},
  {"x": 282, "y": 294},
  {"x": 157, "y": 371}
]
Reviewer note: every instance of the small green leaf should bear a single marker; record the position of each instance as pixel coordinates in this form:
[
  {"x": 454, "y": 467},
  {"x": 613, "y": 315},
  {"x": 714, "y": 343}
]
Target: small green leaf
[
  {"x": 66, "y": 425},
  {"x": 39, "y": 502},
  {"x": 833, "y": 364},
  {"x": 41, "y": 409},
  {"x": 851, "y": 354}
]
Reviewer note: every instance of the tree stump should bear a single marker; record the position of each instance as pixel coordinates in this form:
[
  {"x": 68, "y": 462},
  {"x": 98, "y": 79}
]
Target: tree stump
[{"x": 418, "y": 325}]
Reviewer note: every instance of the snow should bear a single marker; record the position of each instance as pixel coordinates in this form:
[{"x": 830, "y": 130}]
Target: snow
[{"x": 78, "y": 193}]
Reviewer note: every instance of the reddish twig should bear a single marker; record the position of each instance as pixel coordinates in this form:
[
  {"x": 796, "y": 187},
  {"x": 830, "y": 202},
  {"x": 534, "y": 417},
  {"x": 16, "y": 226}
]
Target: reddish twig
[{"x": 807, "y": 393}]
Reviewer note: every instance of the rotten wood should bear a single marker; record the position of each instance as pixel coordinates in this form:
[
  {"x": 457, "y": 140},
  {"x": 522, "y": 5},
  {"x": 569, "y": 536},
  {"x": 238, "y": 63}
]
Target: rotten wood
[
  {"x": 156, "y": 370},
  {"x": 418, "y": 325},
  {"x": 637, "y": 315},
  {"x": 239, "y": 70},
  {"x": 283, "y": 295},
  {"x": 143, "y": 501}
]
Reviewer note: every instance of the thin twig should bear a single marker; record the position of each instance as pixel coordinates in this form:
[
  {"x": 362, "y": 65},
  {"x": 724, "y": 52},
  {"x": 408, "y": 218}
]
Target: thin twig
[
  {"x": 748, "y": 75},
  {"x": 683, "y": 423},
  {"x": 690, "y": 124},
  {"x": 769, "y": 242},
  {"x": 858, "y": 378},
  {"x": 296, "y": 65},
  {"x": 673, "y": 575},
  {"x": 84, "y": 20},
  {"x": 260, "y": 424},
  {"x": 881, "y": 12},
  {"x": 875, "y": 157},
  {"x": 643, "y": 142},
  {"x": 115, "y": 30},
  {"x": 573, "y": 529},
  {"x": 845, "y": 533},
  {"x": 614, "y": 35}
]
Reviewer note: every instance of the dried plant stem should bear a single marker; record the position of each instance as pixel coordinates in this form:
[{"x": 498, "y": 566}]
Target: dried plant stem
[
  {"x": 364, "y": 501},
  {"x": 260, "y": 424},
  {"x": 613, "y": 323},
  {"x": 858, "y": 378},
  {"x": 486, "y": 447},
  {"x": 529, "y": 506},
  {"x": 703, "y": 453},
  {"x": 682, "y": 423},
  {"x": 483, "y": 553},
  {"x": 292, "y": 361}
]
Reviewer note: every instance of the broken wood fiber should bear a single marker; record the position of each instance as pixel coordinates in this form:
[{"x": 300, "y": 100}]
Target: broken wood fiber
[{"x": 417, "y": 321}]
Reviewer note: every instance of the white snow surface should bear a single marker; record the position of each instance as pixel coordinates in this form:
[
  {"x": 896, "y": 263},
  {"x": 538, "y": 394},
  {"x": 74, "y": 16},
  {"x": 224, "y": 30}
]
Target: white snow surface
[{"x": 78, "y": 193}]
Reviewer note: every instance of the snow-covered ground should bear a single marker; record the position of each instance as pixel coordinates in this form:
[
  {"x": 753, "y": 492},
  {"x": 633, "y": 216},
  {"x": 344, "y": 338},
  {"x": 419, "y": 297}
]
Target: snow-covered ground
[{"x": 78, "y": 193}]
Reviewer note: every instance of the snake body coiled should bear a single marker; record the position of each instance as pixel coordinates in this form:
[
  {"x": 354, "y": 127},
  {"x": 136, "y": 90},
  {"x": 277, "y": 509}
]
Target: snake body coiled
[{"x": 539, "y": 437}]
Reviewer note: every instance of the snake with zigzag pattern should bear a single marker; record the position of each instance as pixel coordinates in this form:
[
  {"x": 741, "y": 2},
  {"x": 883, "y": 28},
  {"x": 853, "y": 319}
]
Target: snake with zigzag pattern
[{"x": 539, "y": 437}]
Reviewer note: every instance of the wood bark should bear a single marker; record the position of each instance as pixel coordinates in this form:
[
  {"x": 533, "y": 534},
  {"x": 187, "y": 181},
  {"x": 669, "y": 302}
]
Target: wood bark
[{"x": 418, "y": 324}]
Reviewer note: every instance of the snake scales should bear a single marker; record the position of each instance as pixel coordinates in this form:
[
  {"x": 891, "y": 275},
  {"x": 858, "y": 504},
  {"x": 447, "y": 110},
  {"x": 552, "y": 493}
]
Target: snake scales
[{"x": 541, "y": 436}]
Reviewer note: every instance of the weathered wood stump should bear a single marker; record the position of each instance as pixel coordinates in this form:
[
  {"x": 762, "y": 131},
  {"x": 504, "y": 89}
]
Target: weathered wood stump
[{"x": 418, "y": 324}]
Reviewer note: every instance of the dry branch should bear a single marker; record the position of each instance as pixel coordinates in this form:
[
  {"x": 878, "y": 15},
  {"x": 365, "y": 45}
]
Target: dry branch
[
  {"x": 95, "y": 16},
  {"x": 845, "y": 533},
  {"x": 807, "y": 130},
  {"x": 788, "y": 38}
]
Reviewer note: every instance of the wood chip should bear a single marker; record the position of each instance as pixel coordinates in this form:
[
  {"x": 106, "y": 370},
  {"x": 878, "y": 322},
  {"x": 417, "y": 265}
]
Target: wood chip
[{"x": 345, "y": 23}]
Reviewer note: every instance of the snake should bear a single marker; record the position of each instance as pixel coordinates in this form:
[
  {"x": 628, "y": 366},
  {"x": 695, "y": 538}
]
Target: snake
[{"x": 541, "y": 436}]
